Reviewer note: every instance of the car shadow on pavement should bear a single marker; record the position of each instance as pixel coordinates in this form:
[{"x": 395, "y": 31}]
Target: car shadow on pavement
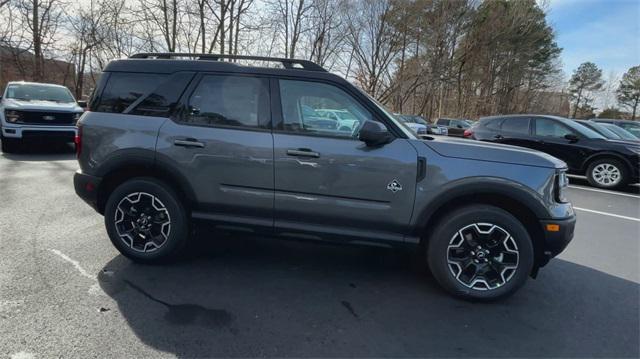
[
  {"x": 251, "y": 297},
  {"x": 42, "y": 151}
]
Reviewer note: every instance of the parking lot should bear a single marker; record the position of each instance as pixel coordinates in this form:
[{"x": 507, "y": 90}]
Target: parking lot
[{"x": 65, "y": 291}]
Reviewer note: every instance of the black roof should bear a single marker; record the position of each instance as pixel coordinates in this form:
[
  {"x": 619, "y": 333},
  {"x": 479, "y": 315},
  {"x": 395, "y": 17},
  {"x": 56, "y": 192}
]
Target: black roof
[{"x": 167, "y": 63}]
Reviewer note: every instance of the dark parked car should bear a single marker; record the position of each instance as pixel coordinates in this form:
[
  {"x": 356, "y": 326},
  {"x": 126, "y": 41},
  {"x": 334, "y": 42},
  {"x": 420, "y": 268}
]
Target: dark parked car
[
  {"x": 599, "y": 128},
  {"x": 169, "y": 140},
  {"x": 606, "y": 163},
  {"x": 630, "y": 126},
  {"x": 455, "y": 126},
  {"x": 621, "y": 132}
]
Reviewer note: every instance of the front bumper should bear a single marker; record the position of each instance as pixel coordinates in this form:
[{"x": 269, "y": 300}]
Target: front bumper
[
  {"x": 557, "y": 235},
  {"x": 86, "y": 187},
  {"x": 65, "y": 133}
]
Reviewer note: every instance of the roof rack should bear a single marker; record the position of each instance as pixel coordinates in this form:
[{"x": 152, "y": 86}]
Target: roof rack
[{"x": 287, "y": 63}]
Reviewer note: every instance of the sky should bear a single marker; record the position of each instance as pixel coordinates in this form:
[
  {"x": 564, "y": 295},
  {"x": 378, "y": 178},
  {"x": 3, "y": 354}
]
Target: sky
[{"x": 606, "y": 32}]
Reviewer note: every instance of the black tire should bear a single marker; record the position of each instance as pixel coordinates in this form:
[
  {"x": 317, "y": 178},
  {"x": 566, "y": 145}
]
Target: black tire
[
  {"x": 608, "y": 163},
  {"x": 175, "y": 237},
  {"x": 9, "y": 145},
  {"x": 447, "y": 232}
]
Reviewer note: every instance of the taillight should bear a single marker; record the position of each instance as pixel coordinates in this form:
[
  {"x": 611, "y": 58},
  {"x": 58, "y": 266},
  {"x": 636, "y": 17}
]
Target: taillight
[
  {"x": 78, "y": 141},
  {"x": 468, "y": 133}
]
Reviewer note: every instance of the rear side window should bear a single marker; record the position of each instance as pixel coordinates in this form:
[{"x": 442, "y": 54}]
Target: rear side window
[
  {"x": 229, "y": 101},
  {"x": 443, "y": 122},
  {"x": 494, "y": 124},
  {"x": 516, "y": 125},
  {"x": 123, "y": 89},
  {"x": 550, "y": 128}
]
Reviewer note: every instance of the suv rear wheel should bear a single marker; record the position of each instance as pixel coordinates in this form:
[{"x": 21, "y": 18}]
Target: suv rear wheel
[
  {"x": 146, "y": 220},
  {"x": 480, "y": 252},
  {"x": 607, "y": 173}
]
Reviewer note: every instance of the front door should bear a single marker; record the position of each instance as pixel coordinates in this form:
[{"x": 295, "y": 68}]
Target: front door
[
  {"x": 326, "y": 180},
  {"x": 550, "y": 138},
  {"x": 221, "y": 144}
]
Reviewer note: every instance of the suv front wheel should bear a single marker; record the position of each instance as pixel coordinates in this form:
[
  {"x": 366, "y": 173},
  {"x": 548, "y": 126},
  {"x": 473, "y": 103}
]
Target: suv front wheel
[
  {"x": 480, "y": 252},
  {"x": 607, "y": 173},
  {"x": 146, "y": 221}
]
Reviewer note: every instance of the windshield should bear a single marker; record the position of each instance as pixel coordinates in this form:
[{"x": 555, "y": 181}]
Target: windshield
[
  {"x": 624, "y": 134},
  {"x": 600, "y": 129},
  {"x": 31, "y": 92},
  {"x": 583, "y": 130}
]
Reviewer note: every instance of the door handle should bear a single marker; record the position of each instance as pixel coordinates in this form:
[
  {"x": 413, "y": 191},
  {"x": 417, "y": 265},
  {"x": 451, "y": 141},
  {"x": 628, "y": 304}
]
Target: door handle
[
  {"x": 498, "y": 137},
  {"x": 302, "y": 152},
  {"x": 189, "y": 142}
]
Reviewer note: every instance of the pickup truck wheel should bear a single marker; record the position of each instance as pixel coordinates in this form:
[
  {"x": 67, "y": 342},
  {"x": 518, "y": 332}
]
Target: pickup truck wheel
[
  {"x": 607, "y": 173},
  {"x": 146, "y": 221},
  {"x": 480, "y": 252}
]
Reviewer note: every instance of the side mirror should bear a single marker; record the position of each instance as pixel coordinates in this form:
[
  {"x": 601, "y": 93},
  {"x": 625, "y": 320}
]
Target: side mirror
[
  {"x": 82, "y": 104},
  {"x": 459, "y": 126},
  {"x": 572, "y": 138},
  {"x": 374, "y": 134}
]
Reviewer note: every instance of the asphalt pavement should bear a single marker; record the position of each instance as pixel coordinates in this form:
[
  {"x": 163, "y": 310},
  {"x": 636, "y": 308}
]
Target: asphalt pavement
[{"x": 66, "y": 292}]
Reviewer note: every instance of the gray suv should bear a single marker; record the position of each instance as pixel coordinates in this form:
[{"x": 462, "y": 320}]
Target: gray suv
[{"x": 169, "y": 138}]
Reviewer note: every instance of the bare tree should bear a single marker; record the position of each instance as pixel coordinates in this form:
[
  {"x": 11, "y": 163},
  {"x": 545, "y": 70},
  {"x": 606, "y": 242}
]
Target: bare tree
[{"x": 42, "y": 18}]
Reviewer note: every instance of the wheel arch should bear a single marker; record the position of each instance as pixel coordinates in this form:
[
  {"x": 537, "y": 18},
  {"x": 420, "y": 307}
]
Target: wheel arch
[
  {"x": 607, "y": 154},
  {"x": 133, "y": 168},
  {"x": 525, "y": 206}
]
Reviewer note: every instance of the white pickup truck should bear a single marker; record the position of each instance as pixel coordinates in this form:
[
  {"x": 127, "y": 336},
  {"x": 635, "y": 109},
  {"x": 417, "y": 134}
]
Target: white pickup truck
[{"x": 37, "y": 111}]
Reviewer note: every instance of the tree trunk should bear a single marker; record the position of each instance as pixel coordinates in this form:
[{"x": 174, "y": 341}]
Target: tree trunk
[{"x": 37, "y": 45}]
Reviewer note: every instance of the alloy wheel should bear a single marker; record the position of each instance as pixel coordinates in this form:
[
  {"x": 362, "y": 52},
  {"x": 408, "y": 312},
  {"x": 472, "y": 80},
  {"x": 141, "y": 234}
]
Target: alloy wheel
[
  {"x": 142, "y": 222},
  {"x": 606, "y": 174},
  {"x": 482, "y": 256}
]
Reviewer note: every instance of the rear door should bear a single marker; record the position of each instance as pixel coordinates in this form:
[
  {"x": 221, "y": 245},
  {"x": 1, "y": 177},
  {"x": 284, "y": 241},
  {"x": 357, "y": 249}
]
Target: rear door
[
  {"x": 221, "y": 143},
  {"x": 516, "y": 131},
  {"x": 329, "y": 182}
]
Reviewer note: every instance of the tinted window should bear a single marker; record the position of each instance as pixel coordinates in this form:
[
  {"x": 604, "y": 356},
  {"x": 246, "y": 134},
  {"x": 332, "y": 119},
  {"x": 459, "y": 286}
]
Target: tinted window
[
  {"x": 314, "y": 108},
  {"x": 516, "y": 125},
  {"x": 123, "y": 89},
  {"x": 229, "y": 101},
  {"x": 164, "y": 98},
  {"x": 494, "y": 124},
  {"x": 551, "y": 128},
  {"x": 443, "y": 122}
]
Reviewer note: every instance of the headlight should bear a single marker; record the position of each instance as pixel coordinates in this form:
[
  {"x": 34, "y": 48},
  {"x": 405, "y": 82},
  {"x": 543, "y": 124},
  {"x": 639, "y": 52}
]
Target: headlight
[
  {"x": 562, "y": 181},
  {"x": 12, "y": 116}
]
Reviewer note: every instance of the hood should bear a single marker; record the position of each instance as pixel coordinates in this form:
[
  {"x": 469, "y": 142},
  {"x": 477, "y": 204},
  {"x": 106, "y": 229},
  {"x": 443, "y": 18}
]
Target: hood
[
  {"x": 632, "y": 143},
  {"x": 36, "y": 105},
  {"x": 493, "y": 152}
]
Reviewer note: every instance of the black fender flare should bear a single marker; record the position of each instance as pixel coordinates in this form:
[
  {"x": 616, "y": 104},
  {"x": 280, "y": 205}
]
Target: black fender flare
[{"x": 474, "y": 186}]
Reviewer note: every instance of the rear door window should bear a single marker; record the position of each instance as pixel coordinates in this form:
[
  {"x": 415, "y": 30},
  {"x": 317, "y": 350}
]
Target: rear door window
[
  {"x": 229, "y": 101},
  {"x": 516, "y": 126},
  {"x": 123, "y": 89}
]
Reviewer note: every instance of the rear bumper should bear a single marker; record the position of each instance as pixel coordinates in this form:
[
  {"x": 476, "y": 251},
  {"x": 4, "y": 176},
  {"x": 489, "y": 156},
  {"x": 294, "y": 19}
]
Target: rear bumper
[
  {"x": 555, "y": 241},
  {"x": 86, "y": 187}
]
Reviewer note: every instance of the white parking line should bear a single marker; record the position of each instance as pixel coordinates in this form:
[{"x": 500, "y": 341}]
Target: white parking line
[
  {"x": 607, "y": 214},
  {"x": 604, "y": 191}
]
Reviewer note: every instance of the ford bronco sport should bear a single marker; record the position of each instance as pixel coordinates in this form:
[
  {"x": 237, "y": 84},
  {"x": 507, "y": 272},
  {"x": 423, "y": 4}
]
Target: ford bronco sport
[{"x": 173, "y": 137}]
